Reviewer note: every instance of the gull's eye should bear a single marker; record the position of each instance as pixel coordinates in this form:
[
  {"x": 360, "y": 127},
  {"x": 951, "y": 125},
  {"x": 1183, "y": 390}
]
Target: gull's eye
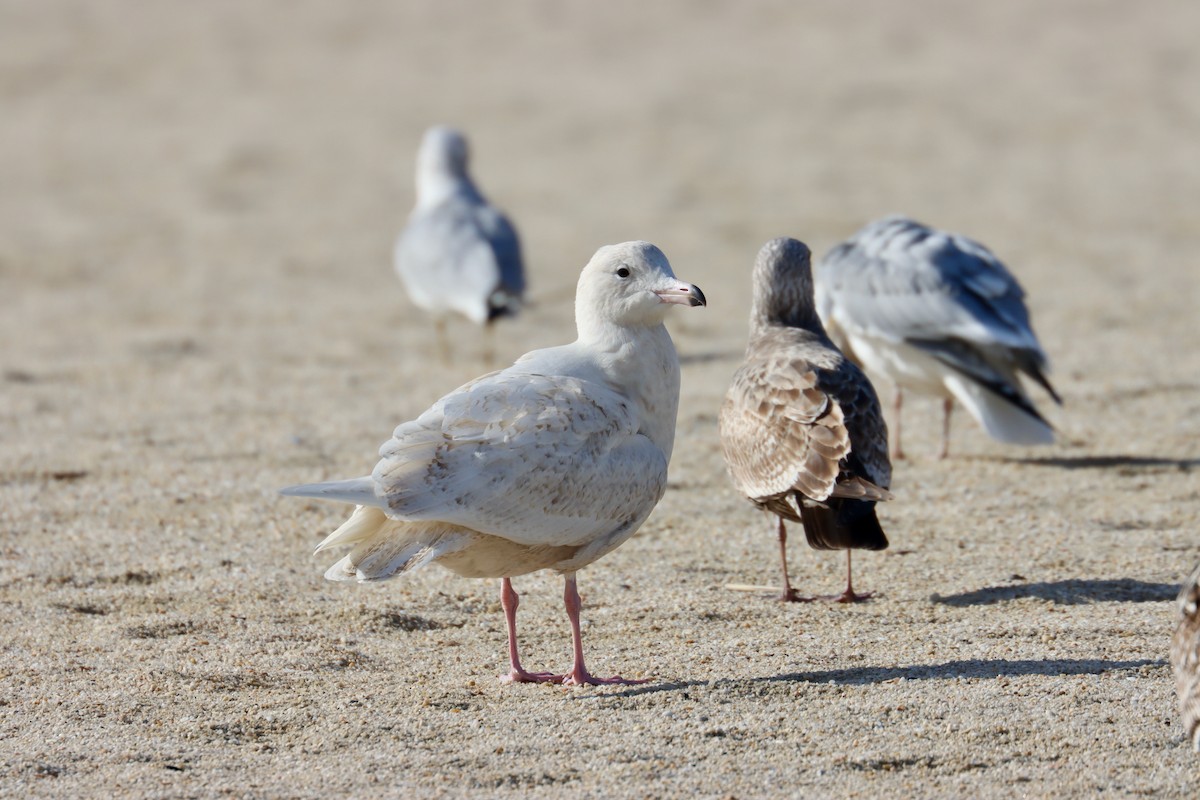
[{"x": 623, "y": 272}]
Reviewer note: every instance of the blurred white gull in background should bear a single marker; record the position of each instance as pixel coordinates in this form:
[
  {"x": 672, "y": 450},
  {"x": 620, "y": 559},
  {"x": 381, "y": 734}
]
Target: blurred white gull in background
[{"x": 458, "y": 253}]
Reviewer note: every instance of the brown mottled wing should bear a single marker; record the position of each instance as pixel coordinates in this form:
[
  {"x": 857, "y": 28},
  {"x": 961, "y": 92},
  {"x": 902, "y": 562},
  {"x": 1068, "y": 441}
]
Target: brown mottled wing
[
  {"x": 868, "y": 460},
  {"x": 1185, "y": 657},
  {"x": 779, "y": 431}
]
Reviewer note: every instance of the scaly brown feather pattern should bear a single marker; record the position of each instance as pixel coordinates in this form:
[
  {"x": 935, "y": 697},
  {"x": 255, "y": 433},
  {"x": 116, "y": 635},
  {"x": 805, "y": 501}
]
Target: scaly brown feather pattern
[
  {"x": 800, "y": 417},
  {"x": 1185, "y": 656}
]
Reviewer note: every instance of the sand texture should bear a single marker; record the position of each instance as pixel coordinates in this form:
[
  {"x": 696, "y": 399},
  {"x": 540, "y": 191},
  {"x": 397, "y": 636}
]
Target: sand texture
[{"x": 197, "y": 307}]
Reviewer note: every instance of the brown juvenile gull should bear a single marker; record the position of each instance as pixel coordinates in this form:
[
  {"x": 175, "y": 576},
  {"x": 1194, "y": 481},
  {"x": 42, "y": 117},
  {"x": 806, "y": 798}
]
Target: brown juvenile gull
[
  {"x": 801, "y": 428},
  {"x": 458, "y": 252},
  {"x": 939, "y": 314},
  {"x": 1185, "y": 656},
  {"x": 549, "y": 464}
]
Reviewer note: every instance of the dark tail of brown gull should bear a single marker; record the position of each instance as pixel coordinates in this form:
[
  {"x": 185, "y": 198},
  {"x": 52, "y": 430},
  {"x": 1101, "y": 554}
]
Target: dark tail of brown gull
[{"x": 842, "y": 524}]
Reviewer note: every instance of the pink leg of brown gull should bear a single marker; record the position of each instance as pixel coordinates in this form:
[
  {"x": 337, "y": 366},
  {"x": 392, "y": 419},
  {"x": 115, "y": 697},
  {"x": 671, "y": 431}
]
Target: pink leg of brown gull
[
  {"x": 897, "y": 450},
  {"x": 947, "y": 407},
  {"x": 516, "y": 674},
  {"x": 850, "y": 596},
  {"x": 579, "y": 675},
  {"x": 789, "y": 594}
]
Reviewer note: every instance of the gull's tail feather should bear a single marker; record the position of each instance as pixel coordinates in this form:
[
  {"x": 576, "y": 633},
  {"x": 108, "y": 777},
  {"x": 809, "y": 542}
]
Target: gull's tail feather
[
  {"x": 385, "y": 547},
  {"x": 359, "y": 491},
  {"x": 363, "y": 523},
  {"x": 1033, "y": 369},
  {"x": 842, "y": 524},
  {"x": 1003, "y": 419},
  {"x": 503, "y": 303},
  {"x": 985, "y": 381}
]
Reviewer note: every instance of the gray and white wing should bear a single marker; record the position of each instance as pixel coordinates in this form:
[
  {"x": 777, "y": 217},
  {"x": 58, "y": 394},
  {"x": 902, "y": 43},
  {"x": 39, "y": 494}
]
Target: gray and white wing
[
  {"x": 900, "y": 280},
  {"x": 535, "y": 459},
  {"x": 505, "y": 245},
  {"x": 1185, "y": 656}
]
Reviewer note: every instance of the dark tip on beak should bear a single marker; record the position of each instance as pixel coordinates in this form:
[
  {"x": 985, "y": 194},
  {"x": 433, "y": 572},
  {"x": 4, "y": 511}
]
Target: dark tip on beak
[{"x": 683, "y": 294}]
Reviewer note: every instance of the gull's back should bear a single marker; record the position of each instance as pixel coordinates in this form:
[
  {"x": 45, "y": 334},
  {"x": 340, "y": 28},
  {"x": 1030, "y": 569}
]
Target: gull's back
[
  {"x": 462, "y": 255},
  {"x": 939, "y": 314},
  {"x": 900, "y": 280}
]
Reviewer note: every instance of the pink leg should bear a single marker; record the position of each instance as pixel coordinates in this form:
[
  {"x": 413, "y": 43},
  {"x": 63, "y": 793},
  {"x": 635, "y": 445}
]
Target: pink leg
[
  {"x": 850, "y": 596},
  {"x": 509, "y": 601},
  {"x": 789, "y": 594},
  {"x": 897, "y": 450},
  {"x": 579, "y": 675},
  {"x": 947, "y": 407}
]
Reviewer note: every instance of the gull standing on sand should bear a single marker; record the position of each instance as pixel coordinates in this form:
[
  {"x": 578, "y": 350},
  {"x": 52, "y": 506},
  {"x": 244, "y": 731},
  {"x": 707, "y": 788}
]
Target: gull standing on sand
[
  {"x": 1185, "y": 656},
  {"x": 938, "y": 314},
  {"x": 801, "y": 429},
  {"x": 549, "y": 464},
  {"x": 457, "y": 252}
]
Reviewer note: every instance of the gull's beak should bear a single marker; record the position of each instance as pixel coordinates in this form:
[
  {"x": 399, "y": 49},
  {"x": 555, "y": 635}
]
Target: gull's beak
[{"x": 685, "y": 294}]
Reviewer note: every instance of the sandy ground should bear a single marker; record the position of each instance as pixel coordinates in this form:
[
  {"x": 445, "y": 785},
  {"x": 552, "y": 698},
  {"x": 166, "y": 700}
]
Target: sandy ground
[{"x": 197, "y": 307}]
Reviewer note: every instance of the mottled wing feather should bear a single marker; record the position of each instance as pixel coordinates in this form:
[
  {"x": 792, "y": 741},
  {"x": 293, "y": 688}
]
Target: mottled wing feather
[
  {"x": 1185, "y": 656},
  {"x": 534, "y": 459},
  {"x": 780, "y": 431},
  {"x": 868, "y": 458},
  {"x": 856, "y": 488}
]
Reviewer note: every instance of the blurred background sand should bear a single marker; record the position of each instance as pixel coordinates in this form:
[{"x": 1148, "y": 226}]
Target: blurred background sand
[{"x": 197, "y": 307}]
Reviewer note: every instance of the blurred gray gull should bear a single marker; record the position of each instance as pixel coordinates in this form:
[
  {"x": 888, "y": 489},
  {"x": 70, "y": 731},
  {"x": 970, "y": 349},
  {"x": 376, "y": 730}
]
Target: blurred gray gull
[
  {"x": 549, "y": 464},
  {"x": 1185, "y": 657},
  {"x": 801, "y": 429},
  {"x": 938, "y": 314},
  {"x": 458, "y": 252}
]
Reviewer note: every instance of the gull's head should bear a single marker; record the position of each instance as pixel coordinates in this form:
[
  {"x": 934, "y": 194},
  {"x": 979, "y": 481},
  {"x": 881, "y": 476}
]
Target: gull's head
[
  {"x": 783, "y": 285},
  {"x": 630, "y": 284},
  {"x": 443, "y": 150}
]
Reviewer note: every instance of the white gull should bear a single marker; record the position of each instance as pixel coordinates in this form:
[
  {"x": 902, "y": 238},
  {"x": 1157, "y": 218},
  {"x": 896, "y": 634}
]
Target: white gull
[{"x": 548, "y": 464}]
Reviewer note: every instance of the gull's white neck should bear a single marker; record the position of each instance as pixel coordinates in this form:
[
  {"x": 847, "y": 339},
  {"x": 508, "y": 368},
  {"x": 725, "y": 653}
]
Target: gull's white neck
[
  {"x": 436, "y": 184},
  {"x": 642, "y": 359}
]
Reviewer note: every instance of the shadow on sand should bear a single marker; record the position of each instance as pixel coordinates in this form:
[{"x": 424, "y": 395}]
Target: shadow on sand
[
  {"x": 1068, "y": 593},
  {"x": 1098, "y": 462},
  {"x": 950, "y": 670},
  {"x": 973, "y": 668}
]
